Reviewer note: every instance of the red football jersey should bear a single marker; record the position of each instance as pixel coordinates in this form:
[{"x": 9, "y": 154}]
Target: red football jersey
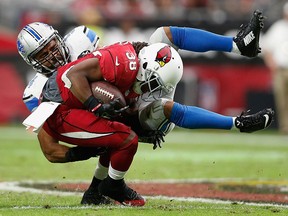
[{"x": 119, "y": 65}]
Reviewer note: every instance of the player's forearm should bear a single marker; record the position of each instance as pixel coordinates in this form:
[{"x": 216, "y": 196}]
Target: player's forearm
[
  {"x": 64, "y": 154},
  {"x": 52, "y": 150},
  {"x": 78, "y": 78},
  {"x": 56, "y": 154},
  {"x": 79, "y": 86}
]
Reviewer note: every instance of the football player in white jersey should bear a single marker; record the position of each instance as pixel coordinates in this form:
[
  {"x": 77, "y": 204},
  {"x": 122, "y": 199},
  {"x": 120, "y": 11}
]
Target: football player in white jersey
[
  {"x": 37, "y": 35},
  {"x": 151, "y": 114}
]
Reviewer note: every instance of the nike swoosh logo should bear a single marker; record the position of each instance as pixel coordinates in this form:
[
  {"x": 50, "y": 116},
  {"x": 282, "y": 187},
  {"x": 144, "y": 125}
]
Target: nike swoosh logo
[
  {"x": 116, "y": 61},
  {"x": 266, "y": 120},
  {"x": 238, "y": 123}
]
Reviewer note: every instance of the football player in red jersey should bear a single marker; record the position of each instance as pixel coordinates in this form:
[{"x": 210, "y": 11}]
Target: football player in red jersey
[
  {"x": 150, "y": 73},
  {"x": 42, "y": 48},
  {"x": 76, "y": 83}
]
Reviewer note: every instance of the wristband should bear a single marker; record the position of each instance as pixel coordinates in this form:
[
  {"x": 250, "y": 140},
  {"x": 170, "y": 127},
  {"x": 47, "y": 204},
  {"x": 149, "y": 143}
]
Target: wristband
[{"x": 92, "y": 104}]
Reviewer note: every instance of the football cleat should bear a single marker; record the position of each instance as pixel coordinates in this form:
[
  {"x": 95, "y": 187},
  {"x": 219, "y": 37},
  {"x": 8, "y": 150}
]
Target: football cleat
[
  {"x": 121, "y": 193},
  {"x": 93, "y": 197},
  {"x": 254, "y": 122},
  {"x": 247, "y": 39}
]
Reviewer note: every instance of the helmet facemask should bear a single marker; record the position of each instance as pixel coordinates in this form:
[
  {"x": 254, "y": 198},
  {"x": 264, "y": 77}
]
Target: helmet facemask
[
  {"x": 161, "y": 69},
  {"x": 56, "y": 57},
  {"x": 153, "y": 87}
]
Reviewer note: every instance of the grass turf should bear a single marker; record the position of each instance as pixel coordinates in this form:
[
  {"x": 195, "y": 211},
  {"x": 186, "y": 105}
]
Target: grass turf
[{"x": 186, "y": 154}]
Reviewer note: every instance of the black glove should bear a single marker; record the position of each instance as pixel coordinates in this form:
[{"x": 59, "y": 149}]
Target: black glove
[
  {"x": 107, "y": 110},
  {"x": 83, "y": 153},
  {"x": 110, "y": 110},
  {"x": 154, "y": 137}
]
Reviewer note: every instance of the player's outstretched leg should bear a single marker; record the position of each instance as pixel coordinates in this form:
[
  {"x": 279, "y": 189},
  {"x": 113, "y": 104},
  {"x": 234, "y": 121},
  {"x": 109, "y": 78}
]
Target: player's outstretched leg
[
  {"x": 254, "y": 122},
  {"x": 247, "y": 39},
  {"x": 119, "y": 191}
]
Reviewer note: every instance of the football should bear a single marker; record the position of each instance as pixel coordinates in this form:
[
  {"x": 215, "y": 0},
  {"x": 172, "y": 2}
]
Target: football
[{"x": 106, "y": 92}]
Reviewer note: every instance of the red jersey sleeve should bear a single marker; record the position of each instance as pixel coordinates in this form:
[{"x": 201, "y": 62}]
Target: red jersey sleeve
[
  {"x": 68, "y": 98},
  {"x": 119, "y": 64}
]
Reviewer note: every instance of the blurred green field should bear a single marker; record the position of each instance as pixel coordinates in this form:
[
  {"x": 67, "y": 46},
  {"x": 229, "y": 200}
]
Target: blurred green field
[{"x": 186, "y": 154}]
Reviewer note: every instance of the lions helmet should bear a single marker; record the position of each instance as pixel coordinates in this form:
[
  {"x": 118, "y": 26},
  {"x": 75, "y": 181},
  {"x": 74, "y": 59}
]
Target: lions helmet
[
  {"x": 33, "y": 38},
  {"x": 161, "y": 68}
]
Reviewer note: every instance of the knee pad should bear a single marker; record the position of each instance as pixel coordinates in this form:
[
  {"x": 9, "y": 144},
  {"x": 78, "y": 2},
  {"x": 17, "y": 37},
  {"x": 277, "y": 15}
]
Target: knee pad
[{"x": 159, "y": 36}]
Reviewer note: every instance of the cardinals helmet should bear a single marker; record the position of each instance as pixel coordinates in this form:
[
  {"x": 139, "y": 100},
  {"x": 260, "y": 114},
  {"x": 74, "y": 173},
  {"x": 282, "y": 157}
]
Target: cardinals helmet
[{"x": 161, "y": 68}]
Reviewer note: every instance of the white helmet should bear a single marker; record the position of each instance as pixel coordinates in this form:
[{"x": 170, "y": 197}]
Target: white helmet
[
  {"x": 89, "y": 42},
  {"x": 33, "y": 38},
  {"x": 161, "y": 68}
]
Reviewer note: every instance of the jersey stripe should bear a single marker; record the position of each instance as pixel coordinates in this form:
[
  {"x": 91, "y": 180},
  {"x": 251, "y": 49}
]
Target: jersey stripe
[
  {"x": 91, "y": 35},
  {"x": 33, "y": 33},
  {"x": 84, "y": 135},
  {"x": 165, "y": 126}
]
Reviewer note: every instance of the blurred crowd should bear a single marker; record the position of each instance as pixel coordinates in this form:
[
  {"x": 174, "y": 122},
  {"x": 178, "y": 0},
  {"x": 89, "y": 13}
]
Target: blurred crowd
[
  {"x": 131, "y": 20},
  {"x": 14, "y": 14}
]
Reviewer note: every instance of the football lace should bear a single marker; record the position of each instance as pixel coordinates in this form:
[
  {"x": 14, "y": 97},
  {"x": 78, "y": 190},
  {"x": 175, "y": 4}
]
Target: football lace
[{"x": 104, "y": 92}]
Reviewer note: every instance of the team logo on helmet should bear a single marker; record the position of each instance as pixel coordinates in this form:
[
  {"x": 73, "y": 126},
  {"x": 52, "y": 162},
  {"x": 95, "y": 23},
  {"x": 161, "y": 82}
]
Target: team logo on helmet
[
  {"x": 20, "y": 47},
  {"x": 163, "y": 55}
]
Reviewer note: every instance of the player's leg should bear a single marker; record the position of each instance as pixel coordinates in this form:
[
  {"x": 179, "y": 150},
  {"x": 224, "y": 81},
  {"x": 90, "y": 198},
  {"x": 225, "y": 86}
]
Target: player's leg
[
  {"x": 198, "y": 40},
  {"x": 122, "y": 148},
  {"x": 197, "y": 118},
  {"x": 92, "y": 195},
  {"x": 245, "y": 43},
  {"x": 110, "y": 182},
  {"x": 159, "y": 115},
  {"x": 80, "y": 127}
]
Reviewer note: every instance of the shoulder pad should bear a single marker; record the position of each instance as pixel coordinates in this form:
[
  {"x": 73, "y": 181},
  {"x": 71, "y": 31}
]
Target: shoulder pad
[{"x": 89, "y": 41}]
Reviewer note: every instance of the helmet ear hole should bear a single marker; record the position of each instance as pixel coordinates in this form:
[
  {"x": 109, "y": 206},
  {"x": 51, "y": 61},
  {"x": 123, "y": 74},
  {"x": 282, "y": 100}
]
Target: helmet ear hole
[{"x": 145, "y": 65}]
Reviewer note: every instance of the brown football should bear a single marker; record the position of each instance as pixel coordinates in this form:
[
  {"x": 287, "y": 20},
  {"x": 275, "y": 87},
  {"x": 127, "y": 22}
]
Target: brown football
[{"x": 106, "y": 92}]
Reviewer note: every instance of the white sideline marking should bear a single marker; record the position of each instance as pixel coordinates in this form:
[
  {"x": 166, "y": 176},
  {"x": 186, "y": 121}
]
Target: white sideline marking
[
  {"x": 14, "y": 186},
  {"x": 216, "y": 201}
]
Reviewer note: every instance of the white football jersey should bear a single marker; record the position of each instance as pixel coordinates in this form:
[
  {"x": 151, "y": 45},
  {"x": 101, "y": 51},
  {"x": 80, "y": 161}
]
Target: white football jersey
[{"x": 80, "y": 41}]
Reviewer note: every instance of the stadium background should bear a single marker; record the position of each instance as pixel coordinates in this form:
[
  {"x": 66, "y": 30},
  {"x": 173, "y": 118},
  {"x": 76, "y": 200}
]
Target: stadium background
[{"x": 220, "y": 82}]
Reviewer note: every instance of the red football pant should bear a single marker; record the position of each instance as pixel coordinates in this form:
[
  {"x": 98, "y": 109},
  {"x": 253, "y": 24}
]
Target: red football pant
[{"x": 83, "y": 128}]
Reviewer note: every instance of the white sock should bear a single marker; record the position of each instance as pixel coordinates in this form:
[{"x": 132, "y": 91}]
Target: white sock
[
  {"x": 101, "y": 172},
  {"x": 235, "y": 48},
  {"x": 115, "y": 174},
  {"x": 233, "y": 126}
]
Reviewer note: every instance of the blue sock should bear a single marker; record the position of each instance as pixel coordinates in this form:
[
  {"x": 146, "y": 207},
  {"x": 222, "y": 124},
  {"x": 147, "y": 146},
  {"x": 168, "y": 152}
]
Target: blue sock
[
  {"x": 197, "y": 118},
  {"x": 198, "y": 40}
]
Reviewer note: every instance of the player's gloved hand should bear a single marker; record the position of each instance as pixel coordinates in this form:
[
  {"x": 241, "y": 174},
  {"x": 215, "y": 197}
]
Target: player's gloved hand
[
  {"x": 110, "y": 110},
  {"x": 80, "y": 153},
  {"x": 105, "y": 110},
  {"x": 155, "y": 137}
]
